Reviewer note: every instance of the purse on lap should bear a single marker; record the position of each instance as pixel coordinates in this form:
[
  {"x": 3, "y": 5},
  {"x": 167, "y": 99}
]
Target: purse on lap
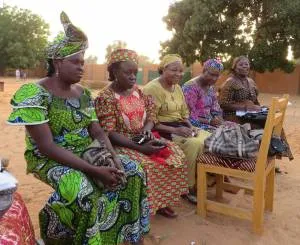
[{"x": 97, "y": 154}]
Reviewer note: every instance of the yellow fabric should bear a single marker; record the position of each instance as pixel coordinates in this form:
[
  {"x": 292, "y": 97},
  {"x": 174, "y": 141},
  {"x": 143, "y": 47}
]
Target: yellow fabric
[
  {"x": 170, "y": 106},
  {"x": 168, "y": 59},
  {"x": 192, "y": 147}
]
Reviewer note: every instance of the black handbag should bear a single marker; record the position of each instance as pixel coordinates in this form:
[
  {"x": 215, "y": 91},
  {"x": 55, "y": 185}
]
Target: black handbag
[{"x": 277, "y": 145}]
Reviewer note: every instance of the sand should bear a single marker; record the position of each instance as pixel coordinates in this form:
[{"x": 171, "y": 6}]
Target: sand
[{"x": 281, "y": 227}]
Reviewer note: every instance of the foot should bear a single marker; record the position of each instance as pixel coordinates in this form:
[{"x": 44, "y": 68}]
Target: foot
[
  {"x": 167, "y": 212},
  {"x": 191, "y": 198}
]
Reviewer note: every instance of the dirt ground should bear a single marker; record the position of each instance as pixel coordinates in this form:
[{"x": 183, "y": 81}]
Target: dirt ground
[{"x": 281, "y": 227}]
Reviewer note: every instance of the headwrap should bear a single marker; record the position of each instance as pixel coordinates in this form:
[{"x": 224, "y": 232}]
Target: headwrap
[
  {"x": 122, "y": 54},
  {"x": 74, "y": 41},
  {"x": 168, "y": 59},
  {"x": 213, "y": 65}
]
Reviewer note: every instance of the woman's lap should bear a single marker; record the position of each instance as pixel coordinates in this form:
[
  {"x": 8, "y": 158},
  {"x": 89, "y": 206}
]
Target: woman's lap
[
  {"x": 89, "y": 214},
  {"x": 165, "y": 183}
]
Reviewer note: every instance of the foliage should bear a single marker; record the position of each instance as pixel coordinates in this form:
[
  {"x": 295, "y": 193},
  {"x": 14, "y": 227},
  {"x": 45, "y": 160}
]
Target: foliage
[
  {"x": 261, "y": 29},
  {"x": 91, "y": 59},
  {"x": 111, "y": 47},
  {"x": 23, "y": 38}
]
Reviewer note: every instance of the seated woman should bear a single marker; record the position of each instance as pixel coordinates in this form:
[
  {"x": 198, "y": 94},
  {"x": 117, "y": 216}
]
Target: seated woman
[
  {"x": 61, "y": 122},
  {"x": 173, "y": 114},
  {"x": 239, "y": 92},
  {"x": 201, "y": 98},
  {"x": 124, "y": 112}
]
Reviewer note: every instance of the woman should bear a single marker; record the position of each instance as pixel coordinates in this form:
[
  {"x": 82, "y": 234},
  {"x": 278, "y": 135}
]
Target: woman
[
  {"x": 124, "y": 112},
  {"x": 239, "y": 93},
  {"x": 172, "y": 114},
  {"x": 61, "y": 122},
  {"x": 201, "y": 98}
]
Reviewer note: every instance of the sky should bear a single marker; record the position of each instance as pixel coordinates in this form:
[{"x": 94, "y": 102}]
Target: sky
[{"x": 137, "y": 22}]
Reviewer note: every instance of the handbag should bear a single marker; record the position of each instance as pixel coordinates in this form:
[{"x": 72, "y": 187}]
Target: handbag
[
  {"x": 232, "y": 141},
  {"x": 277, "y": 146},
  {"x": 97, "y": 154}
]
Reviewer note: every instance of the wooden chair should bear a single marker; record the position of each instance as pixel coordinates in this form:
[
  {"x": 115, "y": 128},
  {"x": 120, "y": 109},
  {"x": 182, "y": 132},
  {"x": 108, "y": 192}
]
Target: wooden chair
[{"x": 261, "y": 171}]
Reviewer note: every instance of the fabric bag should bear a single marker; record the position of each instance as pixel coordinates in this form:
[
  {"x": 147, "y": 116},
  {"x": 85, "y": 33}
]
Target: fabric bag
[
  {"x": 232, "y": 141},
  {"x": 97, "y": 154}
]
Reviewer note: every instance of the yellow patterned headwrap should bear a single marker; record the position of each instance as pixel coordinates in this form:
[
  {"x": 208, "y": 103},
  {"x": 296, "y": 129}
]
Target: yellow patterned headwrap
[{"x": 169, "y": 59}]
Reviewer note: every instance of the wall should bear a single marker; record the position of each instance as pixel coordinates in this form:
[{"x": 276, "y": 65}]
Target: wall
[{"x": 277, "y": 82}]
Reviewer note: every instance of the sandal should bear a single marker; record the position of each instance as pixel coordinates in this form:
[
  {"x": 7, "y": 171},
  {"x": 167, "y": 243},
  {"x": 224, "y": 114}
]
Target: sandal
[
  {"x": 167, "y": 212},
  {"x": 191, "y": 198}
]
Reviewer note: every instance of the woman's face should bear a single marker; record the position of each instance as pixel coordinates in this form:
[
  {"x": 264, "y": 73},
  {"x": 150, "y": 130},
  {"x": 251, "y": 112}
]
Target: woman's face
[
  {"x": 242, "y": 67},
  {"x": 71, "y": 69},
  {"x": 173, "y": 73},
  {"x": 126, "y": 74},
  {"x": 210, "y": 77}
]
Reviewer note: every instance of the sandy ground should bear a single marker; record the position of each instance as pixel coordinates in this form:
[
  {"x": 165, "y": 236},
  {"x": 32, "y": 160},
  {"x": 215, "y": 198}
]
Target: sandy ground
[{"x": 281, "y": 227}]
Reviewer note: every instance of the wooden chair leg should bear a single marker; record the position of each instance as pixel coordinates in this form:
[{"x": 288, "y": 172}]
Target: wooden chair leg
[
  {"x": 219, "y": 186},
  {"x": 201, "y": 191},
  {"x": 258, "y": 207},
  {"x": 269, "y": 194}
]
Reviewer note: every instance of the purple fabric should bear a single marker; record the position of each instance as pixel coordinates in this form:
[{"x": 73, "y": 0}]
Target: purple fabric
[{"x": 201, "y": 104}]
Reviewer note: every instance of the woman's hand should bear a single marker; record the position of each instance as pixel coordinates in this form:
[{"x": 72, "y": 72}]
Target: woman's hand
[
  {"x": 184, "y": 131},
  {"x": 110, "y": 177},
  {"x": 148, "y": 134},
  {"x": 250, "y": 106},
  {"x": 253, "y": 108},
  {"x": 118, "y": 163},
  {"x": 150, "y": 148},
  {"x": 216, "y": 121}
]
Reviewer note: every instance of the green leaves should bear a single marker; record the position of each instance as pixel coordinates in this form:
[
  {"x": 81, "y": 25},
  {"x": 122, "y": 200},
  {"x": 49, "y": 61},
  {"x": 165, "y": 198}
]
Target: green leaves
[
  {"x": 23, "y": 38},
  {"x": 261, "y": 29}
]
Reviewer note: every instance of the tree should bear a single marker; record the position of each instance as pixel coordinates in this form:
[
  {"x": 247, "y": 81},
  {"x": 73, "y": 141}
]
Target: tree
[
  {"x": 23, "y": 38},
  {"x": 91, "y": 59},
  {"x": 261, "y": 29},
  {"x": 111, "y": 47}
]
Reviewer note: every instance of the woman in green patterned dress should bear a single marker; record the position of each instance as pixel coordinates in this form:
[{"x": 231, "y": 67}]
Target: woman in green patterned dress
[{"x": 60, "y": 122}]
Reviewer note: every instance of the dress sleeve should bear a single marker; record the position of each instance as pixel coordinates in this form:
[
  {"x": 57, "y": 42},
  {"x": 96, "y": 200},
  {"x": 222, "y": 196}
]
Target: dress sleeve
[
  {"x": 91, "y": 106},
  {"x": 106, "y": 111},
  {"x": 185, "y": 112},
  {"x": 227, "y": 93},
  {"x": 154, "y": 94},
  {"x": 216, "y": 109},
  {"x": 30, "y": 105},
  {"x": 193, "y": 101},
  {"x": 150, "y": 108}
]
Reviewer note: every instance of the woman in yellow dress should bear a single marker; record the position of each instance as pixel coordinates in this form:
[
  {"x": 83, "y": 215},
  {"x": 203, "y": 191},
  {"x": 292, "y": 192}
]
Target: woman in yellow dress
[{"x": 172, "y": 113}]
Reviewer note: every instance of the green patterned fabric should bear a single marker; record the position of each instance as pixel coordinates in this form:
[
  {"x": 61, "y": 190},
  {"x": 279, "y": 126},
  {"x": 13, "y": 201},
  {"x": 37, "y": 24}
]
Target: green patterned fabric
[
  {"x": 78, "y": 212},
  {"x": 74, "y": 40}
]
